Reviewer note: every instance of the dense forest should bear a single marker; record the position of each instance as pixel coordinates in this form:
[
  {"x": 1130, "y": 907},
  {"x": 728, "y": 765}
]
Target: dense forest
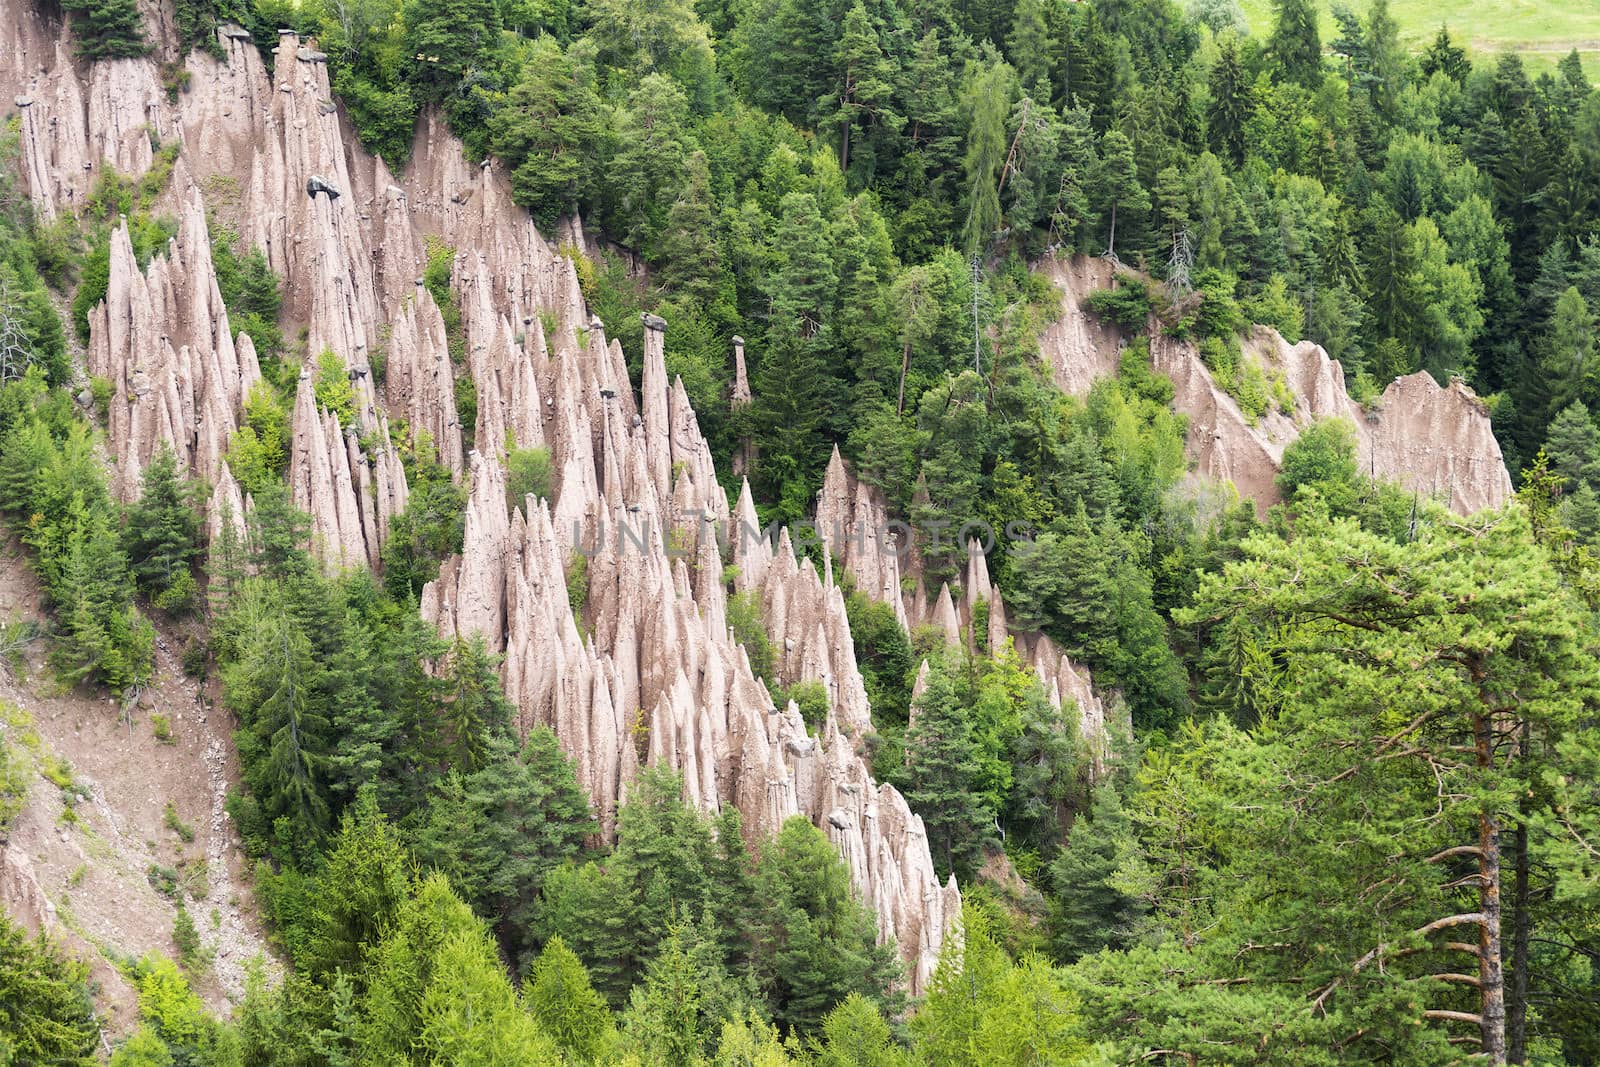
[{"x": 1357, "y": 818}]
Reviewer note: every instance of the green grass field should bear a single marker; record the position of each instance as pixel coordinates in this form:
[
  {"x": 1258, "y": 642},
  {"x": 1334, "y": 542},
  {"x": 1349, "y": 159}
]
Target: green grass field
[{"x": 1543, "y": 30}]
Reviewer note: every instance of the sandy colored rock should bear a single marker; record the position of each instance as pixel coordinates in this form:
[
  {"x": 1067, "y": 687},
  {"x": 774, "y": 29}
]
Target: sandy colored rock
[{"x": 1433, "y": 439}]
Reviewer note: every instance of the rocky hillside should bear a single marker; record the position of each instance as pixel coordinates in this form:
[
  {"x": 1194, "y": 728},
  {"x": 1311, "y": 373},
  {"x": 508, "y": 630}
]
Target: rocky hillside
[
  {"x": 644, "y": 669},
  {"x": 647, "y": 671},
  {"x": 1435, "y": 440}
]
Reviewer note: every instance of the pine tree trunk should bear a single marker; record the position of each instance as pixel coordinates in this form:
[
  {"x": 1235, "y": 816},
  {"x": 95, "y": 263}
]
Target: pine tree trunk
[
  {"x": 1491, "y": 971},
  {"x": 905, "y": 367},
  {"x": 1521, "y": 933}
]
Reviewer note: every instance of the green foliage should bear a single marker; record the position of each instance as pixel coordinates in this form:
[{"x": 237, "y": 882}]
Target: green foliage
[
  {"x": 162, "y": 535},
  {"x": 172, "y": 821},
  {"x": 747, "y": 620},
  {"x": 1128, "y": 305},
  {"x": 53, "y": 489},
  {"x": 249, "y": 289},
  {"x": 816, "y": 944},
  {"x": 46, "y": 1015},
  {"x": 186, "y": 939},
  {"x": 529, "y": 472},
  {"x": 15, "y": 773},
  {"x": 558, "y": 995},
  {"x": 108, "y": 29},
  {"x": 982, "y": 1008},
  {"x": 976, "y": 723},
  {"x": 811, "y": 697},
  {"x": 428, "y": 531},
  {"x": 332, "y": 388},
  {"x": 258, "y": 452}
]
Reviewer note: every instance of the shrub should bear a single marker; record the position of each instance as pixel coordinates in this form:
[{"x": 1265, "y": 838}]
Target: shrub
[
  {"x": 186, "y": 939},
  {"x": 528, "y": 473},
  {"x": 161, "y": 727},
  {"x": 333, "y": 389},
  {"x": 13, "y": 784},
  {"x": 1128, "y": 305},
  {"x": 745, "y": 619},
  {"x": 258, "y": 452},
  {"x": 102, "y": 390},
  {"x": 174, "y": 822},
  {"x": 811, "y": 697},
  {"x": 163, "y": 880},
  {"x": 578, "y": 583}
]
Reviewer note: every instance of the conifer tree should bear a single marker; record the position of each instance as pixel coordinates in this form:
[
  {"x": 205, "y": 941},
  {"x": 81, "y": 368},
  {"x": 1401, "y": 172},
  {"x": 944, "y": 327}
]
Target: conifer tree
[
  {"x": 861, "y": 100},
  {"x": 108, "y": 29},
  {"x": 163, "y": 532},
  {"x": 988, "y": 101},
  {"x": 497, "y": 831},
  {"x": 1232, "y": 101},
  {"x": 1296, "y": 42},
  {"x": 1117, "y": 185},
  {"x": 558, "y": 995},
  {"x": 816, "y": 944},
  {"x": 690, "y": 259},
  {"x": 1090, "y": 911}
]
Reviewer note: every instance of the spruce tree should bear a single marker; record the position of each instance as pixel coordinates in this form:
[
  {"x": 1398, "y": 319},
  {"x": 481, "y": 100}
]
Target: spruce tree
[
  {"x": 1232, "y": 101},
  {"x": 1566, "y": 357},
  {"x": 815, "y": 943},
  {"x": 1117, "y": 187},
  {"x": 1091, "y": 911},
  {"x": 558, "y": 995},
  {"x": 499, "y": 830},
  {"x": 108, "y": 29},
  {"x": 1573, "y": 446},
  {"x": 162, "y": 535},
  {"x": 1296, "y": 42},
  {"x": 690, "y": 259},
  {"x": 941, "y": 777}
]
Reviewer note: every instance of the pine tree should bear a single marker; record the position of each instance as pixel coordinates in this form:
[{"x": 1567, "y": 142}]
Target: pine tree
[
  {"x": 982, "y": 1008},
  {"x": 1410, "y": 666},
  {"x": 549, "y": 133},
  {"x": 1117, "y": 185},
  {"x": 358, "y": 894},
  {"x": 685, "y": 993},
  {"x": 283, "y": 739},
  {"x": 1232, "y": 102},
  {"x": 1444, "y": 56},
  {"x": 108, "y": 29},
  {"x": 469, "y": 1013},
  {"x": 162, "y": 536},
  {"x": 1296, "y": 42},
  {"x": 690, "y": 259},
  {"x": 1091, "y": 910},
  {"x": 558, "y": 995},
  {"x": 860, "y": 103},
  {"x": 447, "y": 40},
  {"x": 647, "y": 171}
]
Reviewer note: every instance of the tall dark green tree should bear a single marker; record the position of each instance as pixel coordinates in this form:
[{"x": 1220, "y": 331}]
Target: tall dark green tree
[
  {"x": 162, "y": 535},
  {"x": 816, "y": 944},
  {"x": 1296, "y": 42},
  {"x": 108, "y": 29}
]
